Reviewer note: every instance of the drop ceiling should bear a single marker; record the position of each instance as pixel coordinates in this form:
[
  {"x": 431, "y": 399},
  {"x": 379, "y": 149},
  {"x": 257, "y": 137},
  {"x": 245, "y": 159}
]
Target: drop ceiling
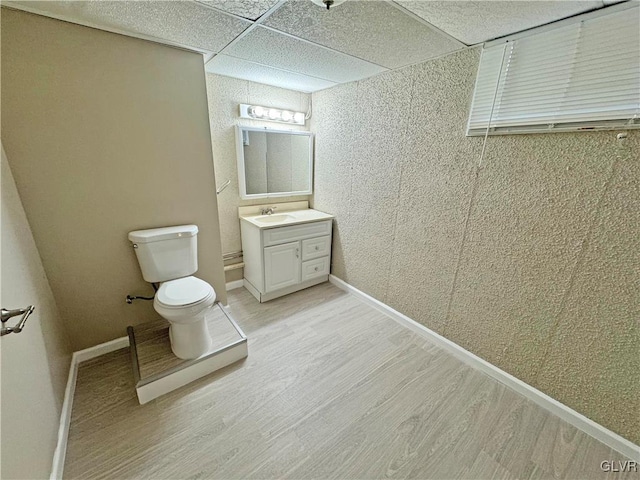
[{"x": 299, "y": 45}]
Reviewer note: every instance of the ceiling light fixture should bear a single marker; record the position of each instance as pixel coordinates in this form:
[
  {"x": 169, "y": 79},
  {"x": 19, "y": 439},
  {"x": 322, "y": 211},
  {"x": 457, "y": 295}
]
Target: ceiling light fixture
[
  {"x": 257, "y": 112},
  {"x": 328, "y": 3}
]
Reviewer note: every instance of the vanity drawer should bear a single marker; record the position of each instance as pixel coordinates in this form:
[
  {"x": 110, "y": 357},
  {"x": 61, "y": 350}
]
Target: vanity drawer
[
  {"x": 316, "y": 247},
  {"x": 315, "y": 268},
  {"x": 275, "y": 236}
]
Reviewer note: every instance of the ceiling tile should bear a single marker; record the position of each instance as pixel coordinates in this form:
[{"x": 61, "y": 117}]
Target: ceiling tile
[
  {"x": 184, "y": 23},
  {"x": 372, "y": 30},
  {"x": 238, "y": 68},
  {"x": 474, "y": 22},
  {"x": 251, "y": 9},
  {"x": 274, "y": 49}
]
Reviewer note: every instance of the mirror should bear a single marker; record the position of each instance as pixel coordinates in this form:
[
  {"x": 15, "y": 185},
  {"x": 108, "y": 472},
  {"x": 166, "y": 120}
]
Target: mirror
[{"x": 274, "y": 163}]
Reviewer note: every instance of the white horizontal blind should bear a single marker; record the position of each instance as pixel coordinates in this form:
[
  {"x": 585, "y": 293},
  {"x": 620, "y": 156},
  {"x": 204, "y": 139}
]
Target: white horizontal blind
[
  {"x": 582, "y": 76},
  {"x": 489, "y": 84}
]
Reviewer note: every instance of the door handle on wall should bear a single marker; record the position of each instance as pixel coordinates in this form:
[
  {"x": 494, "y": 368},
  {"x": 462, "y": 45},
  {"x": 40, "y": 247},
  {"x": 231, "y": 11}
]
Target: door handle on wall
[{"x": 7, "y": 314}]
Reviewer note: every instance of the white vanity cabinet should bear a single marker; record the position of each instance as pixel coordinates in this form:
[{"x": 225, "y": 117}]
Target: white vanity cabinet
[{"x": 282, "y": 259}]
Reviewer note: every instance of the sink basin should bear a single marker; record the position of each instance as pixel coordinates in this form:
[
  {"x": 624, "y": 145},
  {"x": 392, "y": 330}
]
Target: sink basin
[
  {"x": 286, "y": 216},
  {"x": 277, "y": 218}
]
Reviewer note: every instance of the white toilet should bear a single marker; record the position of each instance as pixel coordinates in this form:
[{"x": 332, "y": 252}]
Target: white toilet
[{"x": 169, "y": 256}]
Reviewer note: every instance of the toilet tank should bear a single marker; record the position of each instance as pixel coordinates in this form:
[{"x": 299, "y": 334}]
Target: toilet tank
[{"x": 166, "y": 253}]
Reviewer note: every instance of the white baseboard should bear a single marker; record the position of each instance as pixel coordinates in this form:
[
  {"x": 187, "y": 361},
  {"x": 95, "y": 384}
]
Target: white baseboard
[
  {"x": 235, "y": 284},
  {"x": 78, "y": 357},
  {"x": 103, "y": 348},
  {"x": 606, "y": 436},
  {"x": 60, "y": 452}
]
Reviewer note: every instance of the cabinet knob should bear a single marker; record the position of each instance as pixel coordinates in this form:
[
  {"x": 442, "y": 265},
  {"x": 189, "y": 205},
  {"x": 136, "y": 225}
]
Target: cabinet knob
[
  {"x": 316, "y": 269},
  {"x": 317, "y": 247}
]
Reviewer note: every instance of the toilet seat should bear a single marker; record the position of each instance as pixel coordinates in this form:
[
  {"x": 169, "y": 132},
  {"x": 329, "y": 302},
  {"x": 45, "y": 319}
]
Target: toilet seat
[{"x": 183, "y": 292}]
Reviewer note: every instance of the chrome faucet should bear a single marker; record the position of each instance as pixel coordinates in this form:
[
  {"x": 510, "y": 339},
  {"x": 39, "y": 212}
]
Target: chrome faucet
[{"x": 267, "y": 211}]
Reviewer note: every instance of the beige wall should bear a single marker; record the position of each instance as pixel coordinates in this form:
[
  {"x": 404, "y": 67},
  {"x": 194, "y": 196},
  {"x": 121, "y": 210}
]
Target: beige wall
[
  {"x": 35, "y": 362},
  {"x": 105, "y": 134},
  {"x": 530, "y": 261},
  {"x": 225, "y": 94}
]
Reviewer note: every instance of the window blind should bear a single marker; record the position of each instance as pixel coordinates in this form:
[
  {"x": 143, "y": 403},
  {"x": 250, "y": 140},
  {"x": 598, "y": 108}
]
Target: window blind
[{"x": 582, "y": 76}]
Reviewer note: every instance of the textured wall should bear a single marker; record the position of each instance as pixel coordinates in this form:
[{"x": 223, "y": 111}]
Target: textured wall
[
  {"x": 105, "y": 134},
  {"x": 529, "y": 260},
  {"x": 35, "y": 363},
  {"x": 225, "y": 94}
]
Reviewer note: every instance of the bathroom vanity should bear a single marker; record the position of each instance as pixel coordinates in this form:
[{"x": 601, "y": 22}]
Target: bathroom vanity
[{"x": 286, "y": 250}]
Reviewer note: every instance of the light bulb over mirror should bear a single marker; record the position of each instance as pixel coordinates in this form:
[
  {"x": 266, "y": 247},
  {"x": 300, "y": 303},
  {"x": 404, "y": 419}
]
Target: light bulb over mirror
[{"x": 272, "y": 114}]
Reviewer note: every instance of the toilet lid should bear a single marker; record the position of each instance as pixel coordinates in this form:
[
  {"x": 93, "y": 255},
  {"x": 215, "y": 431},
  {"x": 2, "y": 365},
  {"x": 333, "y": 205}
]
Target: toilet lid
[{"x": 183, "y": 291}]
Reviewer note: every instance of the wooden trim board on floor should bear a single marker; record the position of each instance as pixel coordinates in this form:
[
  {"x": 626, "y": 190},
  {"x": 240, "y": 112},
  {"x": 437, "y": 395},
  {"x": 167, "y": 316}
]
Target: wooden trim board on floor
[
  {"x": 235, "y": 284},
  {"x": 211, "y": 363},
  {"x": 57, "y": 467},
  {"x": 158, "y": 371},
  {"x": 606, "y": 436}
]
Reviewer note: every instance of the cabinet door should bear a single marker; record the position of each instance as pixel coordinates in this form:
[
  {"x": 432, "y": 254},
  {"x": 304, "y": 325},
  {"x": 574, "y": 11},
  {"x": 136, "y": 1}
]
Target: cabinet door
[{"x": 281, "y": 266}]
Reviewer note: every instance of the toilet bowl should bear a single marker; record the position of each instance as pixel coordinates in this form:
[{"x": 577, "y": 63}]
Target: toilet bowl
[
  {"x": 184, "y": 303},
  {"x": 169, "y": 256}
]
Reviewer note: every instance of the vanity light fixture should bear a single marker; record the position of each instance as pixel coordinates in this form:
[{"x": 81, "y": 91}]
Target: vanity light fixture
[{"x": 257, "y": 112}]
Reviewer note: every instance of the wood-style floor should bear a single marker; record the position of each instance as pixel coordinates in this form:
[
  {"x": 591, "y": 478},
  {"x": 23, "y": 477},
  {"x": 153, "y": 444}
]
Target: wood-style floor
[
  {"x": 331, "y": 388},
  {"x": 153, "y": 347}
]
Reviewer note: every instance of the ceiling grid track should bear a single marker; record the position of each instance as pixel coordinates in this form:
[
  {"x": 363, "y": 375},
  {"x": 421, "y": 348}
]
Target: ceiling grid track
[
  {"x": 421, "y": 20},
  {"x": 251, "y": 27},
  {"x": 315, "y": 49}
]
